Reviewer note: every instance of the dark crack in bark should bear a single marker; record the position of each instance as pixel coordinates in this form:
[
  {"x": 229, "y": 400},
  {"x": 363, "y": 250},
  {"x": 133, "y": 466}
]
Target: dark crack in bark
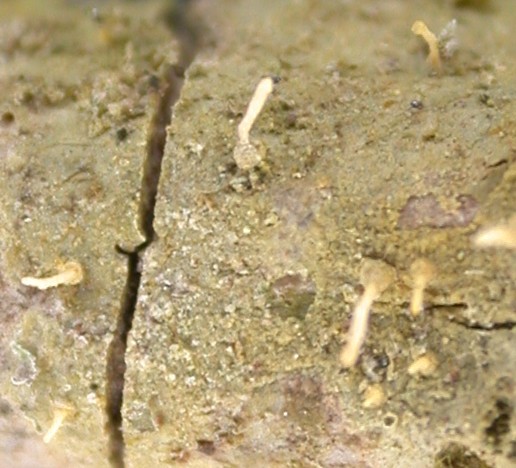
[
  {"x": 187, "y": 32},
  {"x": 116, "y": 365},
  {"x": 452, "y": 310},
  {"x": 509, "y": 325}
]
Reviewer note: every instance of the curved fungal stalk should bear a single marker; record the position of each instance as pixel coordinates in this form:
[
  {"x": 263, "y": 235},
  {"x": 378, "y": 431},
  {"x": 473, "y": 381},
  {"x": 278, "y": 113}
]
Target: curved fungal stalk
[
  {"x": 70, "y": 273},
  {"x": 245, "y": 154},
  {"x": 501, "y": 235},
  {"x": 261, "y": 93},
  {"x": 61, "y": 412},
  {"x": 376, "y": 276},
  {"x": 434, "y": 59},
  {"x": 422, "y": 271}
]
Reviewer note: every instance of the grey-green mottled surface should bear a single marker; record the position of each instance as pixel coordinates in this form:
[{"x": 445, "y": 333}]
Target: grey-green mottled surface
[
  {"x": 248, "y": 289},
  {"x": 77, "y": 98},
  {"x": 247, "y": 294}
]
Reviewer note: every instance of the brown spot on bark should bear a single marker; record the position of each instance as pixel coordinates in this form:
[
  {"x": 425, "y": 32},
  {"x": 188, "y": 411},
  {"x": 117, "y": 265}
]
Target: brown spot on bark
[
  {"x": 206, "y": 446},
  {"x": 292, "y": 295}
]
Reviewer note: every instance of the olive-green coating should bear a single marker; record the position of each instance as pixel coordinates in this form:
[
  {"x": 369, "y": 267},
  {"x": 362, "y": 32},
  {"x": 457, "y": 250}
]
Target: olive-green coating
[
  {"x": 78, "y": 90},
  {"x": 368, "y": 154},
  {"x": 248, "y": 289}
]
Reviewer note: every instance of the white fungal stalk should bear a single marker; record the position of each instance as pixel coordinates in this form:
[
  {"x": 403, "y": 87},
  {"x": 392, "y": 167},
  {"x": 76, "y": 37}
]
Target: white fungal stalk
[
  {"x": 376, "y": 276},
  {"x": 419, "y": 28},
  {"x": 261, "y": 93},
  {"x": 499, "y": 235},
  {"x": 71, "y": 273},
  {"x": 61, "y": 412},
  {"x": 358, "y": 328},
  {"x": 245, "y": 154},
  {"x": 422, "y": 272}
]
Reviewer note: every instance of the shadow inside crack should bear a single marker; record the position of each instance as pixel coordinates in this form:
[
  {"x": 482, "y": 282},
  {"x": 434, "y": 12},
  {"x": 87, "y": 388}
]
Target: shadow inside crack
[
  {"x": 116, "y": 360},
  {"x": 187, "y": 32}
]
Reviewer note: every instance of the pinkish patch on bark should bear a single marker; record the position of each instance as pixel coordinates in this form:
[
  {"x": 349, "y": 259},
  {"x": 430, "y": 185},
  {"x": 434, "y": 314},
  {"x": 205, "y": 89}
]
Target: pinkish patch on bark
[{"x": 426, "y": 211}]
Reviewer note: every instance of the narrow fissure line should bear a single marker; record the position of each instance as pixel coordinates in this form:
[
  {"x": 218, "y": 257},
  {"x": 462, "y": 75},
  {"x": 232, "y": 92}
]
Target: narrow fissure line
[
  {"x": 187, "y": 33},
  {"x": 509, "y": 325},
  {"x": 155, "y": 149},
  {"x": 116, "y": 365},
  {"x": 471, "y": 325}
]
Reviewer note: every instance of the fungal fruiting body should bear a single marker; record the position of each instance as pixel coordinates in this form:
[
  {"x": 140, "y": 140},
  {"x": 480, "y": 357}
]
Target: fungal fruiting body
[
  {"x": 375, "y": 276},
  {"x": 425, "y": 365},
  {"x": 61, "y": 412},
  {"x": 245, "y": 154},
  {"x": 69, "y": 274},
  {"x": 499, "y": 235},
  {"x": 422, "y": 272},
  {"x": 447, "y": 40},
  {"x": 374, "y": 397},
  {"x": 420, "y": 29}
]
